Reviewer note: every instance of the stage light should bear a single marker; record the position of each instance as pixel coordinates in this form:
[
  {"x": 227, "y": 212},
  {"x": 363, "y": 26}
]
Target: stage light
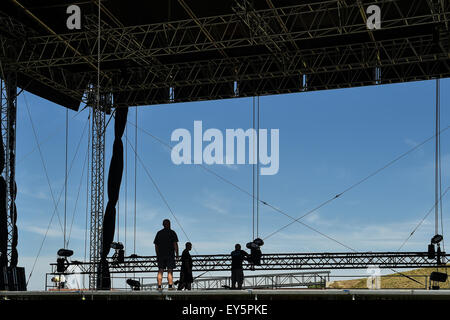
[
  {"x": 117, "y": 245},
  {"x": 61, "y": 261},
  {"x": 255, "y": 251},
  {"x": 134, "y": 284},
  {"x": 438, "y": 276},
  {"x": 436, "y": 239},
  {"x": 65, "y": 253}
]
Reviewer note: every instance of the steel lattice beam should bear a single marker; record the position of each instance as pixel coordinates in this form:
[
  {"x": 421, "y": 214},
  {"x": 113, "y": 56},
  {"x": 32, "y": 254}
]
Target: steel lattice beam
[
  {"x": 287, "y": 261},
  {"x": 101, "y": 103},
  {"x": 323, "y": 44},
  {"x": 8, "y": 116},
  {"x": 229, "y": 31},
  {"x": 261, "y": 281}
]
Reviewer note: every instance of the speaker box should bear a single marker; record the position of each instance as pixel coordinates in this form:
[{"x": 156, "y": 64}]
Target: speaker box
[
  {"x": 16, "y": 279},
  {"x": 3, "y": 278},
  {"x": 438, "y": 276}
]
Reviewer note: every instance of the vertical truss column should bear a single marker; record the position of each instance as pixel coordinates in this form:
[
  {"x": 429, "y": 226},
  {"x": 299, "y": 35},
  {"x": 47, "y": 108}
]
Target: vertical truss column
[
  {"x": 97, "y": 182},
  {"x": 8, "y": 132}
]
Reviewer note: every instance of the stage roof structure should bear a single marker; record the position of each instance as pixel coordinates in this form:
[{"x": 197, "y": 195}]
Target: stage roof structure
[{"x": 157, "y": 52}]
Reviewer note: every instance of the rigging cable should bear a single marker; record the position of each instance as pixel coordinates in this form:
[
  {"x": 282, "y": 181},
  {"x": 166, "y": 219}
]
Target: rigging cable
[
  {"x": 160, "y": 194},
  {"x": 126, "y": 193},
  {"x": 390, "y": 163},
  {"x": 87, "y": 192},
  {"x": 436, "y": 164},
  {"x": 243, "y": 190},
  {"x": 253, "y": 171},
  {"x": 78, "y": 196},
  {"x": 65, "y": 176},
  {"x": 135, "y": 180},
  {"x": 60, "y": 193},
  {"x": 43, "y": 162},
  {"x": 423, "y": 219},
  {"x": 257, "y": 172},
  {"x": 440, "y": 167}
]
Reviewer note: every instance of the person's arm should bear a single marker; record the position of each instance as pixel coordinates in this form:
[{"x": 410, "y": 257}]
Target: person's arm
[
  {"x": 175, "y": 245},
  {"x": 155, "y": 242},
  {"x": 245, "y": 255}
]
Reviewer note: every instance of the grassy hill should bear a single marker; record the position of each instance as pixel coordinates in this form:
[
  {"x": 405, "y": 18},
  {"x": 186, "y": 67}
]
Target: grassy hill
[{"x": 394, "y": 281}]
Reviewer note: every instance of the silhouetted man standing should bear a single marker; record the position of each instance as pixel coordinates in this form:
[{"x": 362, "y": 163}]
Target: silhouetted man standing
[
  {"x": 186, "y": 269},
  {"x": 166, "y": 246},
  {"x": 237, "y": 272}
]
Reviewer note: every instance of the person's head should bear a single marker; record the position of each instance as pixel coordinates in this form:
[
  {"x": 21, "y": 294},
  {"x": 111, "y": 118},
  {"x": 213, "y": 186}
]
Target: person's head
[
  {"x": 166, "y": 224},
  {"x": 188, "y": 246},
  {"x": 237, "y": 246}
]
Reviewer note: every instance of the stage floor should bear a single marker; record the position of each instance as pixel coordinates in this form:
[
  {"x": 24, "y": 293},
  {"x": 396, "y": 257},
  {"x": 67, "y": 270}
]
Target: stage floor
[{"x": 217, "y": 295}]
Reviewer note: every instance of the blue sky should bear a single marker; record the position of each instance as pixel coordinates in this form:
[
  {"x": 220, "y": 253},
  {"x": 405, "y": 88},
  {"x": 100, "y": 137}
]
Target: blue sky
[{"x": 328, "y": 141}]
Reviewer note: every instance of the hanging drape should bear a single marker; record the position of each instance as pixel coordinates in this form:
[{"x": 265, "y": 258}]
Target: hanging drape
[{"x": 114, "y": 181}]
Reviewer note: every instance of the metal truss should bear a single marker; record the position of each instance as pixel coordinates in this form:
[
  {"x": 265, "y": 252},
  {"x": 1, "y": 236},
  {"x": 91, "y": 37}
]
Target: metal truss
[
  {"x": 282, "y": 261},
  {"x": 309, "y": 46},
  {"x": 8, "y": 101},
  {"x": 228, "y": 32},
  {"x": 260, "y": 281},
  {"x": 100, "y": 104}
]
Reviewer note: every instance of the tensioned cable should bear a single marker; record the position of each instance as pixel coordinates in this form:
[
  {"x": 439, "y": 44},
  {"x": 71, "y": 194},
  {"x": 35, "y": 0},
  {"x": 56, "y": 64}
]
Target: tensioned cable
[
  {"x": 38, "y": 146},
  {"x": 438, "y": 141},
  {"x": 135, "y": 180},
  {"x": 248, "y": 193},
  {"x": 253, "y": 171},
  {"x": 440, "y": 169},
  {"x": 423, "y": 219},
  {"x": 59, "y": 198},
  {"x": 161, "y": 194},
  {"x": 44, "y": 141},
  {"x": 296, "y": 220},
  {"x": 320, "y": 205},
  {"x": 390, "y": 163},
  {"x": 42, "y": 161},
  {"x": 417, "y": 227},
  {"x": 126, "y": 194},
  {"x": 78, "y": 195},
  {"x": 257, "y": 172},
  {"x": 87, "y": 192},
  {"x": 436, "y": 164},
  {"x": 55, "y": 209},
  {"x": 65, "y": 176}
]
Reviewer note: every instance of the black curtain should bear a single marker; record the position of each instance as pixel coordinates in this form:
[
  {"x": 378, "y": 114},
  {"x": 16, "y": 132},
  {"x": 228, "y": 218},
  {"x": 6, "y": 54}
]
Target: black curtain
[{"x": 114, "y": 181}]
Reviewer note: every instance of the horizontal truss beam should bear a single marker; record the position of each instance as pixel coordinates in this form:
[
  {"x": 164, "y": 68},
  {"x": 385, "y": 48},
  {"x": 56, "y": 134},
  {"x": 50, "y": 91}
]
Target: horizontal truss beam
[
  {"x": 228, "y": 31},
  {"x": 282, "y": 261},
  {"x": 248, "y": 53},
  {"x": 260, "y": 281}
]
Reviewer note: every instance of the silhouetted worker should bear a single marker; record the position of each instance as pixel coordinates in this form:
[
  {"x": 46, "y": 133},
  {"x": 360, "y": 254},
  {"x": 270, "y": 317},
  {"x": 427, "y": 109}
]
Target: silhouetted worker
[
  {"x": 186, "y": 269},
  {"x": 237, "y": 273},
  {"x": 166, "y": 246}
]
